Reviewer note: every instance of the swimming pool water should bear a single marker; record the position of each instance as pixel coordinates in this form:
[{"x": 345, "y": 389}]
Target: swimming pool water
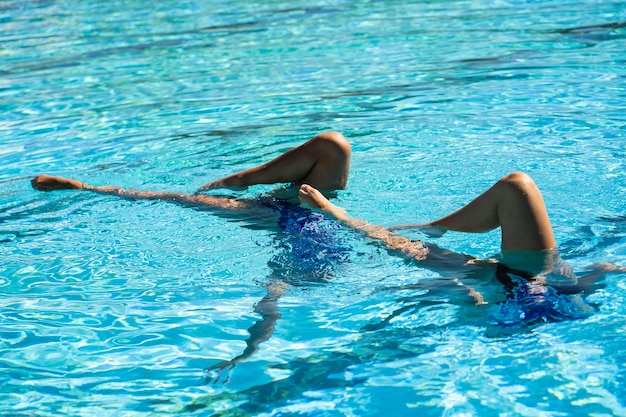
[{"x": 111, "y": 307}]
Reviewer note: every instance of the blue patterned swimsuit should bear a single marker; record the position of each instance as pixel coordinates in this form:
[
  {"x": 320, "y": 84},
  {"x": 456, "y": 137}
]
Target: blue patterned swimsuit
[{"x": 529, "y": 302}]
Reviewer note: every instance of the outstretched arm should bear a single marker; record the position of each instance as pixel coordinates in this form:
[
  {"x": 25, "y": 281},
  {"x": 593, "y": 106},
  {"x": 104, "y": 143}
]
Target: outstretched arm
[
  {"x": 50, "y": 183},
  {"x": 411, "y": 249},
  {"x": 434, "y": 257}
]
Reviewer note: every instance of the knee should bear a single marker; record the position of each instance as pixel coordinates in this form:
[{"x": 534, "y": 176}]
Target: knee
[
  {"x": 517, "y": 176},
  {"x": 519, "y": 181},
  {"x": 334, "y": 142}
]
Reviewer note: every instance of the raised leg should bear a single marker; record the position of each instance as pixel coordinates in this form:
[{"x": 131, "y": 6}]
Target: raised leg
[
  {"x": 323, "y": 162},
  {"x": 516, "y": 205}
]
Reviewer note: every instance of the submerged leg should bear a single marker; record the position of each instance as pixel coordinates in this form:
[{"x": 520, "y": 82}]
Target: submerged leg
[
  {"x": 323, "y": 162},
  {"x": 514, "y": 204},
  {"x": 259, "y": 332}
]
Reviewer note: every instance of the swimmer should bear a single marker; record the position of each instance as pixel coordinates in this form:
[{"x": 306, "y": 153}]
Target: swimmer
[
  {"x": 514, "y": 204},
  {"x": 538, "y": 286}
]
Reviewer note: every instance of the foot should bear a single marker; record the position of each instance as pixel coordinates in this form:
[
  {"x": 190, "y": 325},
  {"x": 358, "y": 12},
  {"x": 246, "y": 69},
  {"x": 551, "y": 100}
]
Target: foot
[
  {"x": 207, "y": 187},
  {"x": 311, "y": 197},
  {"x": 223, "y": 183},
  {"x": 49, "y": 183}
]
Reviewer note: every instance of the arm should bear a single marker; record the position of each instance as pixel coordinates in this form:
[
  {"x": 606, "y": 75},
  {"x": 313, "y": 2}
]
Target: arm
[
  {"x": 434, "y": 257},
  {"x": 590, "y": 281},
  {"x": 50, "y": 183},
  {"x": 411, "y": 249}
]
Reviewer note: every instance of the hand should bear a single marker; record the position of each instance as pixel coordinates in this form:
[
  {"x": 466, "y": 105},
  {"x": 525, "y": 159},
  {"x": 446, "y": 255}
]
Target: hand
[{"x": 592, "y": 281}]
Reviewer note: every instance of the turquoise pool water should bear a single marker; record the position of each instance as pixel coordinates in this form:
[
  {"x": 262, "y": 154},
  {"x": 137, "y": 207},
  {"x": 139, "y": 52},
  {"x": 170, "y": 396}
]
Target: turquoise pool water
[{"x": 111, "y": 307}]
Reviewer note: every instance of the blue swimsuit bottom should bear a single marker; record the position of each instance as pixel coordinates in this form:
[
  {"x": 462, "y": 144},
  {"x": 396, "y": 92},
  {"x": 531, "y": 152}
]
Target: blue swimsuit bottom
[{"x": 309, "y": 247}]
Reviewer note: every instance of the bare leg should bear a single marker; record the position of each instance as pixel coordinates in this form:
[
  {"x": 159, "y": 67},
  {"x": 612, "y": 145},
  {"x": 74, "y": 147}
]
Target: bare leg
[
  {"x": 50, "y": 183},
  {"x": 323, "y": 162},
  {"x": 515, "y": 204}
]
